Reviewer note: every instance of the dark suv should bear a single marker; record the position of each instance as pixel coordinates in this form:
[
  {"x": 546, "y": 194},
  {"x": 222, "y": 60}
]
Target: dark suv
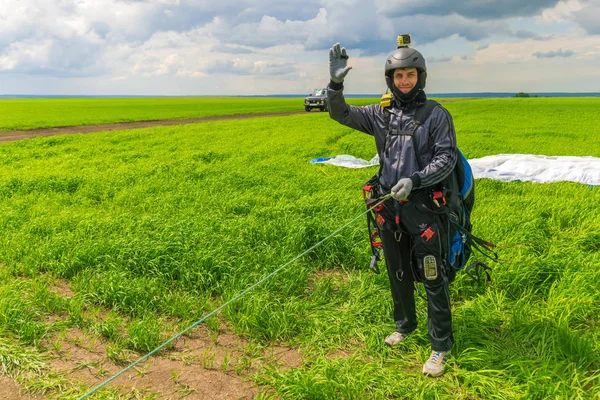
[{"x": 318, "y": 99}]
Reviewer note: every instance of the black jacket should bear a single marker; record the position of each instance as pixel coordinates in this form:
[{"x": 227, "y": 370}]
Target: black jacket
[{"x": 427, "y": 158}]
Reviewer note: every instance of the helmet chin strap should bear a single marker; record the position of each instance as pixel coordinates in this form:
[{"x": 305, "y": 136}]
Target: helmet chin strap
[{"x": 406, "y": 97}]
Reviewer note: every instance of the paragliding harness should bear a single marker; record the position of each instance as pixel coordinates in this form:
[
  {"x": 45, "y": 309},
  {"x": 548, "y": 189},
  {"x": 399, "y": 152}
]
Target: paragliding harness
[{"x": 452, "y": 203}]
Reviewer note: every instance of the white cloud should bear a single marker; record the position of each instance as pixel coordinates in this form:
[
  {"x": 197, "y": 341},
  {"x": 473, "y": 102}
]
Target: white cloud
[
  {"x": 267, "y": 32},
  {"x": 586, "y": 13},
  {"x": 522, "y": 52},
  {"x": 589, "y": 17},
  {"x": 274, "y": 46},
  {"x": 444, "y": 59},
  {"x": 563, "y": 11}
]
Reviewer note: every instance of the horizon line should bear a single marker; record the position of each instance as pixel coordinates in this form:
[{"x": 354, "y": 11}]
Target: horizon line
[{"x": 448, "y": 94}]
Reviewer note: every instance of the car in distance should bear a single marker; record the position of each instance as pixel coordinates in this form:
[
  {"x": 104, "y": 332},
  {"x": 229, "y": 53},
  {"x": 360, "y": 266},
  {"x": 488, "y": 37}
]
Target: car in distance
[{"x": 317, "y": 99}]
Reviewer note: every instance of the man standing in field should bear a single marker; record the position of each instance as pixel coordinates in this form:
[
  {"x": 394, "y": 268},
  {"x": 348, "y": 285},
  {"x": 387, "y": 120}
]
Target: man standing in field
[{"x": 416, "y": 160}]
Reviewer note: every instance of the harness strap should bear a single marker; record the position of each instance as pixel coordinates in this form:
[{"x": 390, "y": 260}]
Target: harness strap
[
  {"x": 421, "y": 115},
  {"x": 476, "y": 267},
  {"x": 482, "y": 246},
  {"x": 373, "y": 237}
]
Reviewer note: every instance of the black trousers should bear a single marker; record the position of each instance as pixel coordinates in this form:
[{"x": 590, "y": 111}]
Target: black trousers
[{"x": 407, "y": 260}]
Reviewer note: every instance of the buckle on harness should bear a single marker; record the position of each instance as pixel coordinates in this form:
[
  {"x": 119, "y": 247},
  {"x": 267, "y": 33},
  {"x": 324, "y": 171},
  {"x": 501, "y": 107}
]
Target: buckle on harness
[
  {"x": 376, "y": 240},
  {"x": 367, "y": 191},
  {"x": 438, "y": 195},
  {"x": 373, "y": 265},
  {"x": 372, "y": 204},
  {"x": 428, "y": 234}
]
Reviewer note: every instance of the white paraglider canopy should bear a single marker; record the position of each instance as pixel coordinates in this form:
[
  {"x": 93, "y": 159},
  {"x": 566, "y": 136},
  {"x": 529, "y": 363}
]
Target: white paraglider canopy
[{"x": 509, "y": 167}]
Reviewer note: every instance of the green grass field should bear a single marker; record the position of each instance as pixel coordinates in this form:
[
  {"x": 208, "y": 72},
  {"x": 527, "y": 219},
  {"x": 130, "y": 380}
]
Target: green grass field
[
  {"x": 44, "y": 113},
  {"x": 153, "y": 228}
]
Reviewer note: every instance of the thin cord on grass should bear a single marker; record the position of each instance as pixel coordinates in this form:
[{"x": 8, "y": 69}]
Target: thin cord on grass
[
  {"x": 593, "y": 229},
  {"x": 569, "y": 301},
  {"x": 554, "y": 269},
  {"x": 222, "y": 306}
]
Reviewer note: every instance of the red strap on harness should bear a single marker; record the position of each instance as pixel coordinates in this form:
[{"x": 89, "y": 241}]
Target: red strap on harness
[
  {"x": 376, "y": 240},
  {"x": 428, "y": 234},
  {"x": 367, "y": 191},
  {"x": 437, "y": 196}
]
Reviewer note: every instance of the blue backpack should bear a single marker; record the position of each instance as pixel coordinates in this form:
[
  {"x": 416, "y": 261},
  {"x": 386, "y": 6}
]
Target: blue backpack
[{"x": 461, "y": 187}]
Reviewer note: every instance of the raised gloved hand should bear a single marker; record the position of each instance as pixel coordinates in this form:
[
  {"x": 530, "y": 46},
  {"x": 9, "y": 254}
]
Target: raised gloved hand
[
  {"x": 338, "y": 63},
  {"x": 402, "y": 189}
]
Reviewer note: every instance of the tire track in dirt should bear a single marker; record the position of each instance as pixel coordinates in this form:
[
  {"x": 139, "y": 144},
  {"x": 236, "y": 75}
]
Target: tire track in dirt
[{"x": 11, "y": 136}]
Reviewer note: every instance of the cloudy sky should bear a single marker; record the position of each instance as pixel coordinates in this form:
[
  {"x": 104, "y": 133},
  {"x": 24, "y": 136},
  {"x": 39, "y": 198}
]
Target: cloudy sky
[{"x": 247, "y": 47}]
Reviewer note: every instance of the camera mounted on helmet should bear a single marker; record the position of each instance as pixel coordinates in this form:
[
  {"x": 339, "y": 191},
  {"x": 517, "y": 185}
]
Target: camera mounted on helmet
[
  {"x": 405, "y": 57},
  {"x": 403, "y": 40}
]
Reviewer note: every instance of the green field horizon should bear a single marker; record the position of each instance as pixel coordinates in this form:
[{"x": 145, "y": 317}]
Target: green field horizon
[{"x": 27, "y": 114}]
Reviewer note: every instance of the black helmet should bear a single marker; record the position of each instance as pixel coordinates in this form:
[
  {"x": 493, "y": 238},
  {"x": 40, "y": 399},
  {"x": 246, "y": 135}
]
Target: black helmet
[{"x": 405, "y": 57}]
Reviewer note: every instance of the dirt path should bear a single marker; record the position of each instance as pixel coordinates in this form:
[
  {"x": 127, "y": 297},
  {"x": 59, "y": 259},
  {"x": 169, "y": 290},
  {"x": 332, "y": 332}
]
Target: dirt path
[
  {"x": 9, "y": 390},
  {"x": 11, "y": 136},
  {"x": 205, "y": 364}
]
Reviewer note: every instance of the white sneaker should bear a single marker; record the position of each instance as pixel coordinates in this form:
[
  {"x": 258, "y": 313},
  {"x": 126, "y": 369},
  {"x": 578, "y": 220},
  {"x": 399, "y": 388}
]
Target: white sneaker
[
  {"x": 435, "y": 366},
  {"x": 395, "y": 338}
]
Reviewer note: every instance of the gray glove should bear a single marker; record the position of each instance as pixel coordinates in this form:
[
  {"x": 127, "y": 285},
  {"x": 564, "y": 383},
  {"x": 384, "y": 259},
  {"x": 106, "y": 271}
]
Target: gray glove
[
  {"x": 338, "y": 63},
  {"x": 402, "y": 189}
]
